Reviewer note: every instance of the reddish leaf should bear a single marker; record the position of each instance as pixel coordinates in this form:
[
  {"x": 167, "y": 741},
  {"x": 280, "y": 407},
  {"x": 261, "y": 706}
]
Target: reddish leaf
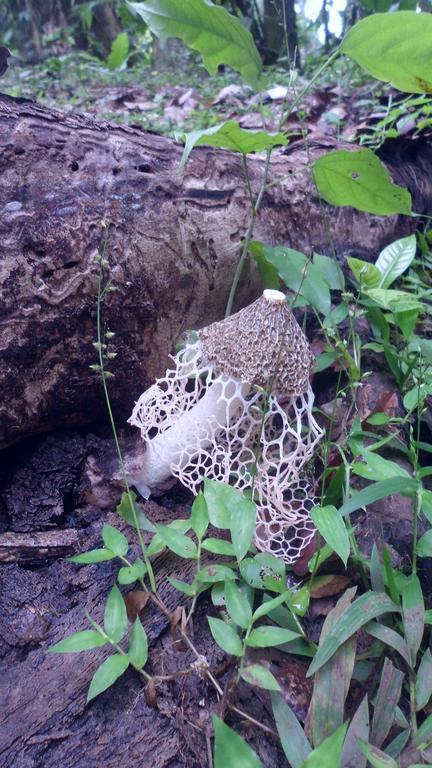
[
  {"x": 135, "y": 602},
  {"x": 326, "y": 586}
]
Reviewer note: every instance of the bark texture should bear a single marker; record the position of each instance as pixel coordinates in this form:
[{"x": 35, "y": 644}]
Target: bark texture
[{"x": 174, "y": 243}]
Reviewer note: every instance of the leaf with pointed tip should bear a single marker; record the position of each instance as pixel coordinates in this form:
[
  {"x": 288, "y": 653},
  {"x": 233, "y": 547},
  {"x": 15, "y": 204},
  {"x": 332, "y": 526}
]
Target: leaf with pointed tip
[
  {"x": 256, "y": 674},
  {"x": 413, "y": 615},
  {"x": 79, "y": 641},
  {"x": 229, "y": 135},
  {"x": 115, "y": 617},
  {"x": 352, "y": 755},
  {"x": 199, "y": 516},
  {"x": 225, "y": 636},
  {"x": 423, "y": 685},
  {"x": 263, "y": 637},
  {"x": 177, "y": 542},
  {"x": 395, "y": 259},
  {"x": 230, "y": 749},
  {"x": 237, "y": 605},
  {"x": 109, "y": 671},
  {"x": 389, "y": 637},
  {"x": 293, "y": 738},
  {"x": 138, "y": 645},
  {"x": 376, "y": 757},
  {"x": 114, "y": 540},
  {"x": 332, "y": 528},
  {"x": 92, "y": 556},
  {"x": 328, "y": 753},
  {"x": 386, "y": 701}
]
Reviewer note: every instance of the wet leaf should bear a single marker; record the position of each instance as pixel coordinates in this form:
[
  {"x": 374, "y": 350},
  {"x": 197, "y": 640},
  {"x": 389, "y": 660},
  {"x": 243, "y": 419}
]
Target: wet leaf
[
  {"x": 387, "y": 698},
  {"x": 237, "y": 605},
  {"x": 413, "y": 615},
  {"x": 352, "y": 755},
  {"x": 332, "y": 528},
  {"x": 109, "y": 671},
  {"x": 256, "y": 674},
  {"x": 364, "y": 609},
  {"x": 225, "y": 636},
  {"x": 115, "y": 617},
  {"x": 79, "y": 641},
  {"x": 293, "y": 739},
  {"x": 230, "y": 749}
]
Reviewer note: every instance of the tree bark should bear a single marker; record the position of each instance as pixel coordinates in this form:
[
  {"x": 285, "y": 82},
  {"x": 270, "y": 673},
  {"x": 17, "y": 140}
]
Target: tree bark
[{"x": 173, "y": 247}]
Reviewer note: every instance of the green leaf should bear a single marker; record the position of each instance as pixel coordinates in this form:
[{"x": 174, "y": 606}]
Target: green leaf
[
  {"x": 376, "y": 757},
  {"x": 204, "y": 27},
  {"x": 352, "y": 756},
  {"x": 423, "y": 685},
  {"x": 413, "y": 615},
  {"x": 130, "y": 573},
  {"x": 268, "y": 273},
  {"x": 394, "y": 301},
  {"x": 230, "y": 749},
  {"x": 93, "y": 556},
  {"x": 177, "y": 542},
  {"x": 386, "y": 701},
  {"x": 300, "y": 275},
  {"x": 125, "y": 507},
  {"x": 366, "y": 274},
  {"x": 332, "y": 528},
  {"x": 328, "y": 754},
  {"x": 157, "y": 545},
  {"x": 229, "y": 135},
  {"x": 395, "y": 259},
  {"x": 109, "y": 671},
  {"x": 115, "y": 540},
  {"x": 263, "y": 637},
  {"x": 331, "y": 272},
  {"x": 389, "y": 637},
  {"x": 187, "y": 589},
  {"x": 424, "y": 545},
  {"x": 359, "y": 179},
  {"x": 256, "y": 674},
  {"x": 199, "y": 516},
  {"x": 221, "y": 498},
  {"x": 225, "y": 636},
  {"x": 213, "y": 573},
  {"x": 218, "y": 547},
  {"x": 424, "y": 733},
  {"x": 395, "y": 48},
  {"x": 237, "y": 605},
  {"x": 364, "y": 609},
  {"x": 115, "y": 617},
  {"x": 79, "y": 641},
  {"x": 264, "y": 571},
  {"x": 375, "y": 467},
  {"x": 242, "y": 528},
  {"x": 138, "y": 645},
  {"x": 403, "y": 485},
  {"x": 293, "y": 739},
  {"x": 270, "y": 605},
  {"x": 119, "y": 51}
]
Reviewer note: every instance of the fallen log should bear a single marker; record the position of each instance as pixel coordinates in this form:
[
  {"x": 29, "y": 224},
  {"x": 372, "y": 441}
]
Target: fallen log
[
  {"x": 37, "y": 547},
  {"x": 172, "y": 251}
]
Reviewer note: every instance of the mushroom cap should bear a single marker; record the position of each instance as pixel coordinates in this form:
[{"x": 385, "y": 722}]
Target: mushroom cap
[{"x": 262, "y": 345}]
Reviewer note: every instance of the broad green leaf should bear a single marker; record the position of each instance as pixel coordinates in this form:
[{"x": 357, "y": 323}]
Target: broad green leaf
[
  {"x": 119, "y": 51},
  {"x": 115, "y": 617},
  {"x": 332, "y": 681},
  {"x": 301, "y": 275},
  {"x": 242, "y": 527},
  {"x": 114, "y": 540},
  {"x": 92, "y": 556},
  {"x": 394, "y": 301},
  {"x": 352, "y": 755},
  {"x": 366, "y": 274},
  {"x": 270, "y": 605},
  {"x": 328, "y": 754},
  {"x": 376, "y": 757},
  {"x": 256, "y": 674},
  {"x": 237, "y": 605},
  {"x": 221, "y": 500},
  {"x": 109, "y": 671},
  {"x": 225, "y": 636},
  {"x": 293, "y": 739},
  {"x": 177, "y": 542},
  {"x": 360, "y": 180},
  {"x": 157, "y": 544},
  {"x": 406, "y": 486},
  {"x": 395, "y": 259},
  {"x": 423, "y": 685},
  {"x": 80, "y": 641},
  {"x": 424, "y": 733},
  {"x": 375, "y": 467},
  {"x": 218, "y": 547},
  {"x": 389, "y": 637},
  {"x": 230, "y": 749},
  {"x": 407, "y": 321},
  {"x": 263, "y": 637},
  {"x": 229, "y": 135},
  {"x": 332, "y": 528},
  {"x": 138, "y": 645},
  {"x": 331, "y": 272},
  {"x": 364, "y": 609},
  {"x": 204, "y": 27},
  {"x": 264, "y": 571},
  {"x": 130, "y": 573},
  {"x": 416, "y": 396},
  {"x": 386, "y": 701},
  {"x": 213, "y": 573},
  {"x": 125, "y": 507},
  {"x": 268, "y": 274},
  {"x": 424, "y": 545},
  {"x": 199, "y": 516},
  {"x": 395, "y": 48},
  {"x": 413, "y": 615}
]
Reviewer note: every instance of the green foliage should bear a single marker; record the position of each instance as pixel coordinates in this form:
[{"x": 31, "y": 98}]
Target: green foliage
[
  {"x": 107, "y": 674},
  {"x": 119, "y": 51},
  {"x": 206, "y": 28},
  {"x": 231, "y": 749},
  {"x": 229, "y": 135}
]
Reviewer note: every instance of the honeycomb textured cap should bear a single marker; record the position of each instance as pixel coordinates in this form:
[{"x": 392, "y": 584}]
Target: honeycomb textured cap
[{"x": 262, "y": 344}]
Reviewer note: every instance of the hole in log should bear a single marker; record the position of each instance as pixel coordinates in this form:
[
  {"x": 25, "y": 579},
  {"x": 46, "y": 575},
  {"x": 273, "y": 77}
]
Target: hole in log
[
  {"x": 74, "y": 166},
  {"x": 70, "y": 264},
  {"x": 144, "y": 168},
  {"x": 19, "y": 150}
]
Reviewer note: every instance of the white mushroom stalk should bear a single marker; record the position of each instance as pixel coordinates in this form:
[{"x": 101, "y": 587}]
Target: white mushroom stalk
[{"x": 213, "y": 416}]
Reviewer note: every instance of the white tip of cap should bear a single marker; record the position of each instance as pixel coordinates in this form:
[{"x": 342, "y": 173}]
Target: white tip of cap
[{"x": 272, "y": 295}]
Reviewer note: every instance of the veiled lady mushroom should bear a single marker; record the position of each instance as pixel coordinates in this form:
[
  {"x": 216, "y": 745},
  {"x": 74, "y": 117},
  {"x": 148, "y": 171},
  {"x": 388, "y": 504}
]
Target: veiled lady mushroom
[{"x": 237, "y": 407}]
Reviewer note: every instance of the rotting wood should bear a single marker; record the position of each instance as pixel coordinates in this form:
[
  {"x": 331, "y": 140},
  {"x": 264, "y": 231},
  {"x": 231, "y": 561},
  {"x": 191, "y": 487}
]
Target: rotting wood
[{"x": 37, "y": 547}]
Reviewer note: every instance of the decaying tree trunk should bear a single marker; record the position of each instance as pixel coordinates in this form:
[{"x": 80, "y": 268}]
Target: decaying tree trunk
[{"x": 173, "y": 246}]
